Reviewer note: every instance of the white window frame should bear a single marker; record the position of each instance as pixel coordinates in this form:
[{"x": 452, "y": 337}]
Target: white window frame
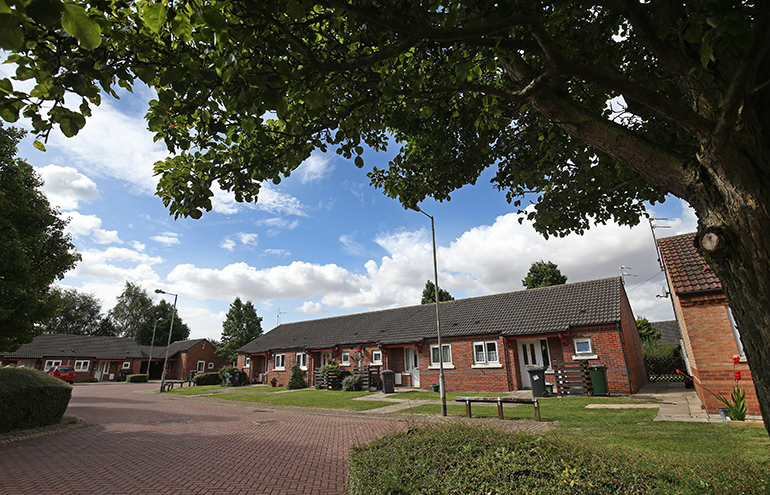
[
  {"x": 211, "y": 366},
  {"x": 446, "y": 355},
  {"x": 377, "y": 357},
  {"x": 279, "y": 362},
  {"x": 589, "y": 354},
  {"x": 82, "y": 365},
  {"x": 246, "y": 362},
  {"x": 201, "y": 367},
  {"x": 345, "y": 359},
  {"x": 485, "y": 359},
  {"x": 126, "y": 365},
  {"x": 301, "y": 360},
  {"x": 51, "y": 363}
]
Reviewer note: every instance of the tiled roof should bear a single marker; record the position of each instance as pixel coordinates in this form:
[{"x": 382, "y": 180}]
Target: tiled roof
[
  {"x": 688, "y": 269},
  {"x": 527, "y": 312},
  {"x": 178, "y": 346},
  {"x": 77, "y": 346},
  {"x": 669, "y": 331}
]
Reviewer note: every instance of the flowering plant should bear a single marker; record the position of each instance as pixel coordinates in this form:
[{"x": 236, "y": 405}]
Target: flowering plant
[{"x": 736, "y": 404}]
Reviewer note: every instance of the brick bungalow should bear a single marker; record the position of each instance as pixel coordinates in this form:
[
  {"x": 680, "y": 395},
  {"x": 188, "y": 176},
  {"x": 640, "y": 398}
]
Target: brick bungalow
[
  {"x": 710, "y": 335},
  {"x": 106, "y": 358},
  {"x": 488, "y": 342}
]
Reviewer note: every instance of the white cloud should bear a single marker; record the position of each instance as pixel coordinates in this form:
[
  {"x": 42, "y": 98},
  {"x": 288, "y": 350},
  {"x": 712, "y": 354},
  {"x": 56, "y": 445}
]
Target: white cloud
[
  {"x": 276, "y": 252},
  {"x": 88, "y": 225},
  {"x": 312, "y": 308},
  {"x": 314, "y": 169},
  {"x": 350, "y": 246},
  {"x": 243, "y": 238},
  {"x": 65, "y": 187},
  {"x": 167, "y": 238}
]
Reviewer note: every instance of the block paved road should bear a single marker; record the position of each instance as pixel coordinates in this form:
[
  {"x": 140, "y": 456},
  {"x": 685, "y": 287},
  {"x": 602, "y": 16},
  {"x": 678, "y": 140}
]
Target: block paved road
[{"x": 140, "y": 442}]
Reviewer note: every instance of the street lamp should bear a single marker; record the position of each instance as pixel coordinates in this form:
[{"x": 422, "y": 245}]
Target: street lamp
[
  {"x": 170, "y": 330},
  {"x": 441, "y": 381},
  {"x": 152, "y": 343}
]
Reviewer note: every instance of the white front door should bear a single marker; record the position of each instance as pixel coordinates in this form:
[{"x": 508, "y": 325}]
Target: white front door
[
  {"x": 532, "y": 353},
  {"x": 102, "y": 369},
  {"x": 412, "y": 364}
]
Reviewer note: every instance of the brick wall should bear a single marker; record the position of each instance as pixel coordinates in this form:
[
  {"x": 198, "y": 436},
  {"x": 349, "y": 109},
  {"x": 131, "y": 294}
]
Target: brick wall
[{"x": 711, "y": 348}]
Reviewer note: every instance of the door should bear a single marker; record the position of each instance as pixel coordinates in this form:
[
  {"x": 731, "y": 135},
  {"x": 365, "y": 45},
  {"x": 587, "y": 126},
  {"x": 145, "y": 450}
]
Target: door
[
  {"x": 102, "y": 369},
  {"x": 412, "y": 364},
  {"x": 532, "y": 353}
]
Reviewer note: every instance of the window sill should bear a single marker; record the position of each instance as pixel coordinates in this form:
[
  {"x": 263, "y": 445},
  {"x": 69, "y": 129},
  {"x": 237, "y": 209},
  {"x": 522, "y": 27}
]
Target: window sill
[
  {"x": 447, "y": 366},
  {"x": 279, "y": 369},
  {"x": 486, "y": 366},
  {"x": 584, "y": 357}
]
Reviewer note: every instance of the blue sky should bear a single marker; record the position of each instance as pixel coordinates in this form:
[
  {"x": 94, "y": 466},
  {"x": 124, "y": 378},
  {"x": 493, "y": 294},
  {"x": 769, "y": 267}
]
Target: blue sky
[{"x": 322, "y": 243}]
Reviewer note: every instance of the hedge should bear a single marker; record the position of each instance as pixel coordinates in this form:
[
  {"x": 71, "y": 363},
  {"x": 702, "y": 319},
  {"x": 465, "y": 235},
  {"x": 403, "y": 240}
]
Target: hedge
[
  {"x": 136, "y": 378},
  {"x": 29, "y": 398},
  {"x": 207, "y": 379}
]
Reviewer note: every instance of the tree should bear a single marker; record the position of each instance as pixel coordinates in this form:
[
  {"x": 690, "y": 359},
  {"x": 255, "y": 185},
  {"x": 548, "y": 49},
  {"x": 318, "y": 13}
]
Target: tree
[
  {"x": 588, "y": 110},
  {"x": 429, "y": 294},
  {"x": 241, "y": 326},
  {"x": 79, "y": 314},
  {"x": 647, "y": 332},
  {"x": 543, "y": 274},
  {"x": 132, "y": 311},
  {"x": 159, "y": 317},
  {"x": 35, "y": 250}
]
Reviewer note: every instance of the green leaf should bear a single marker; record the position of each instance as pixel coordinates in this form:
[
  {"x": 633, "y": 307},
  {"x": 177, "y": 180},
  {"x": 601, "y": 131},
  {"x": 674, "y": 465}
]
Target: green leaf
[
  {"x": 76, "y": 22},
  {"x": 37, "y": 144},
  {"x": 6, "y": 86},
  {"x": 11, "y": 35},
  {"x": 154, "y": 16},
  {"x": 359, "y": 162}
]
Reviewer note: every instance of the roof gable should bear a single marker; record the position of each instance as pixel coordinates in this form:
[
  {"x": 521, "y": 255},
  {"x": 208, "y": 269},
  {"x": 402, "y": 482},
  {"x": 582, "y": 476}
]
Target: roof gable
[
  {"x": 527, "y": 312},
  {"x": 688, "y": 269},
  {"x": 92, "y": 346}
]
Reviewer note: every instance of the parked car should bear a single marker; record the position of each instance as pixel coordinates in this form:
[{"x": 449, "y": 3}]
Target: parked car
[{"x": 66, "y": 373}]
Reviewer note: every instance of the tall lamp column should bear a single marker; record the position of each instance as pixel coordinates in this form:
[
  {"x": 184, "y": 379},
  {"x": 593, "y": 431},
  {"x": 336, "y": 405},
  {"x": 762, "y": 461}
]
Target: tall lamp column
[
  {"x": 441, "y": 380},
  {"x": 170, "y": 331},
  {"x": 152, "y": 343}
]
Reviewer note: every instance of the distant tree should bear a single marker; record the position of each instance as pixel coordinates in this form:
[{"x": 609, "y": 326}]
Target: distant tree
[
  {"x": 34, "y": 250},
  {"x": 241, "y": 326},
  {"x": 132, "y": 311},
  {"x": 429, "y": 294},
  {"x": 159, "y": 316},
  {"x": 79, "y": 314},
  {"x": 543, "y": 274},
  {"x": 646, "y": 331}
]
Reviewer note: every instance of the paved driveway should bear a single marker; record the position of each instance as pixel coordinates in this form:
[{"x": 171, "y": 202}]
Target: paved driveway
[{"x": 141, "y": 442}]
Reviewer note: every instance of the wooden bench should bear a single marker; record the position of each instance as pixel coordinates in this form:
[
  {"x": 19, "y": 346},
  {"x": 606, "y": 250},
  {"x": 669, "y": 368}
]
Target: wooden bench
[
  {"x": 169, "y": 384},
  {"x": 499, "y": 401}
]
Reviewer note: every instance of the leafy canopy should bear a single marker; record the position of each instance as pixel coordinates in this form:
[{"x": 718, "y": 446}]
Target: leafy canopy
[
  {"x": 241, "y": 326},
  {"x": 79, "y": 314},
  {"x": 34, "y": 250},
  {"x": 429, "y": 294},
  {"x": 646, "y": 330},
  {"x": 543, "y": 274}
]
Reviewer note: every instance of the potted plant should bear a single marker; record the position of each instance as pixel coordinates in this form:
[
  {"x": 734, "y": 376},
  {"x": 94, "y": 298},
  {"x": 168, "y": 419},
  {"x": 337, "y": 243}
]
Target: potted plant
[
  {"x": 434, "y": 386},
  {"x": 274, "y": 381}
]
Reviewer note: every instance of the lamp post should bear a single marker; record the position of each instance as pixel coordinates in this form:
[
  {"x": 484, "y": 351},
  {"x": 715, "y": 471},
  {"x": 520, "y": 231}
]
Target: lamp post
[
  {"x": 441, "y": 381},
  {"x": 170, "y": 331},
  {"x": 152, "y": 343}
]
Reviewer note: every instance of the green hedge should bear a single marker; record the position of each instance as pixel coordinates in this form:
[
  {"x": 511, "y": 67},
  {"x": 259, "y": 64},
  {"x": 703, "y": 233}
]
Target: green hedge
[
  {"x": 136, "y": 378},
  {"x": 30, "y": 398},
  {"x": 207, "y": 379}
]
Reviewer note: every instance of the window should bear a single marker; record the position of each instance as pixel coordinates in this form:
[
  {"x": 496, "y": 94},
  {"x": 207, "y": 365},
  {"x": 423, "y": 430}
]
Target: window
[
  {"x": 485, "y": 352},
  {"x": 201, "y": 366},
  {"x": 280, "y": 361},
  {"x": 345, "y": 359},
  {"x": 736, "y": 334},
  {"x": 302, "y": 360},
  {"x": 376, "y": 357},
  {"x": 82, "y": 365},
  {"x": 247, "y": 362},
  {"x": 583, "y": 346},
  {"x": 446, "y": 354},
  {"x": 51, "y": 363},
  {"x": 126, "y": 365},
  {"x": 211, "y": 366}
]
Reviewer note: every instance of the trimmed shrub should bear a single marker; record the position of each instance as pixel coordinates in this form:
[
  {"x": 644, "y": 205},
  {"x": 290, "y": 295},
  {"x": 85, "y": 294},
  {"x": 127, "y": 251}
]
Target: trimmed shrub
[
  {"x": 136, "y": 378},
  {"x": 88, "y": 379},
  {"x": 353, "y": 383},
  {"x": 223, "y": 372},
  {"x": 297, "y": 379},
  {"x": 29, "y": 398},
  {"x": 207, "y": 379}
]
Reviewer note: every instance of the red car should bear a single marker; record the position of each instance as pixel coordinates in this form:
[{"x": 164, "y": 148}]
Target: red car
[{"x": 66, "y": 373}]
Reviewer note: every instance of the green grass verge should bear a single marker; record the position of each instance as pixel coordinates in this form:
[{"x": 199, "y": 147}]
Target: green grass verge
[
  {"x": 450, "y": 396},
  {"x": 323, "y": 399}
]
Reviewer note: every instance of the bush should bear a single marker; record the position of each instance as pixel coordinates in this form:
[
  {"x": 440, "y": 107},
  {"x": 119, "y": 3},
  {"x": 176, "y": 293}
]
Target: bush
[
  {"x": 136, "y": 378},
  {"x": 353, "y": 383},
  {"x": 88, "y": 379},
  {"x": 207, "y": 379},
  {"x": 29, "y": 398},
  {"x": 297, "y": 379}
]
